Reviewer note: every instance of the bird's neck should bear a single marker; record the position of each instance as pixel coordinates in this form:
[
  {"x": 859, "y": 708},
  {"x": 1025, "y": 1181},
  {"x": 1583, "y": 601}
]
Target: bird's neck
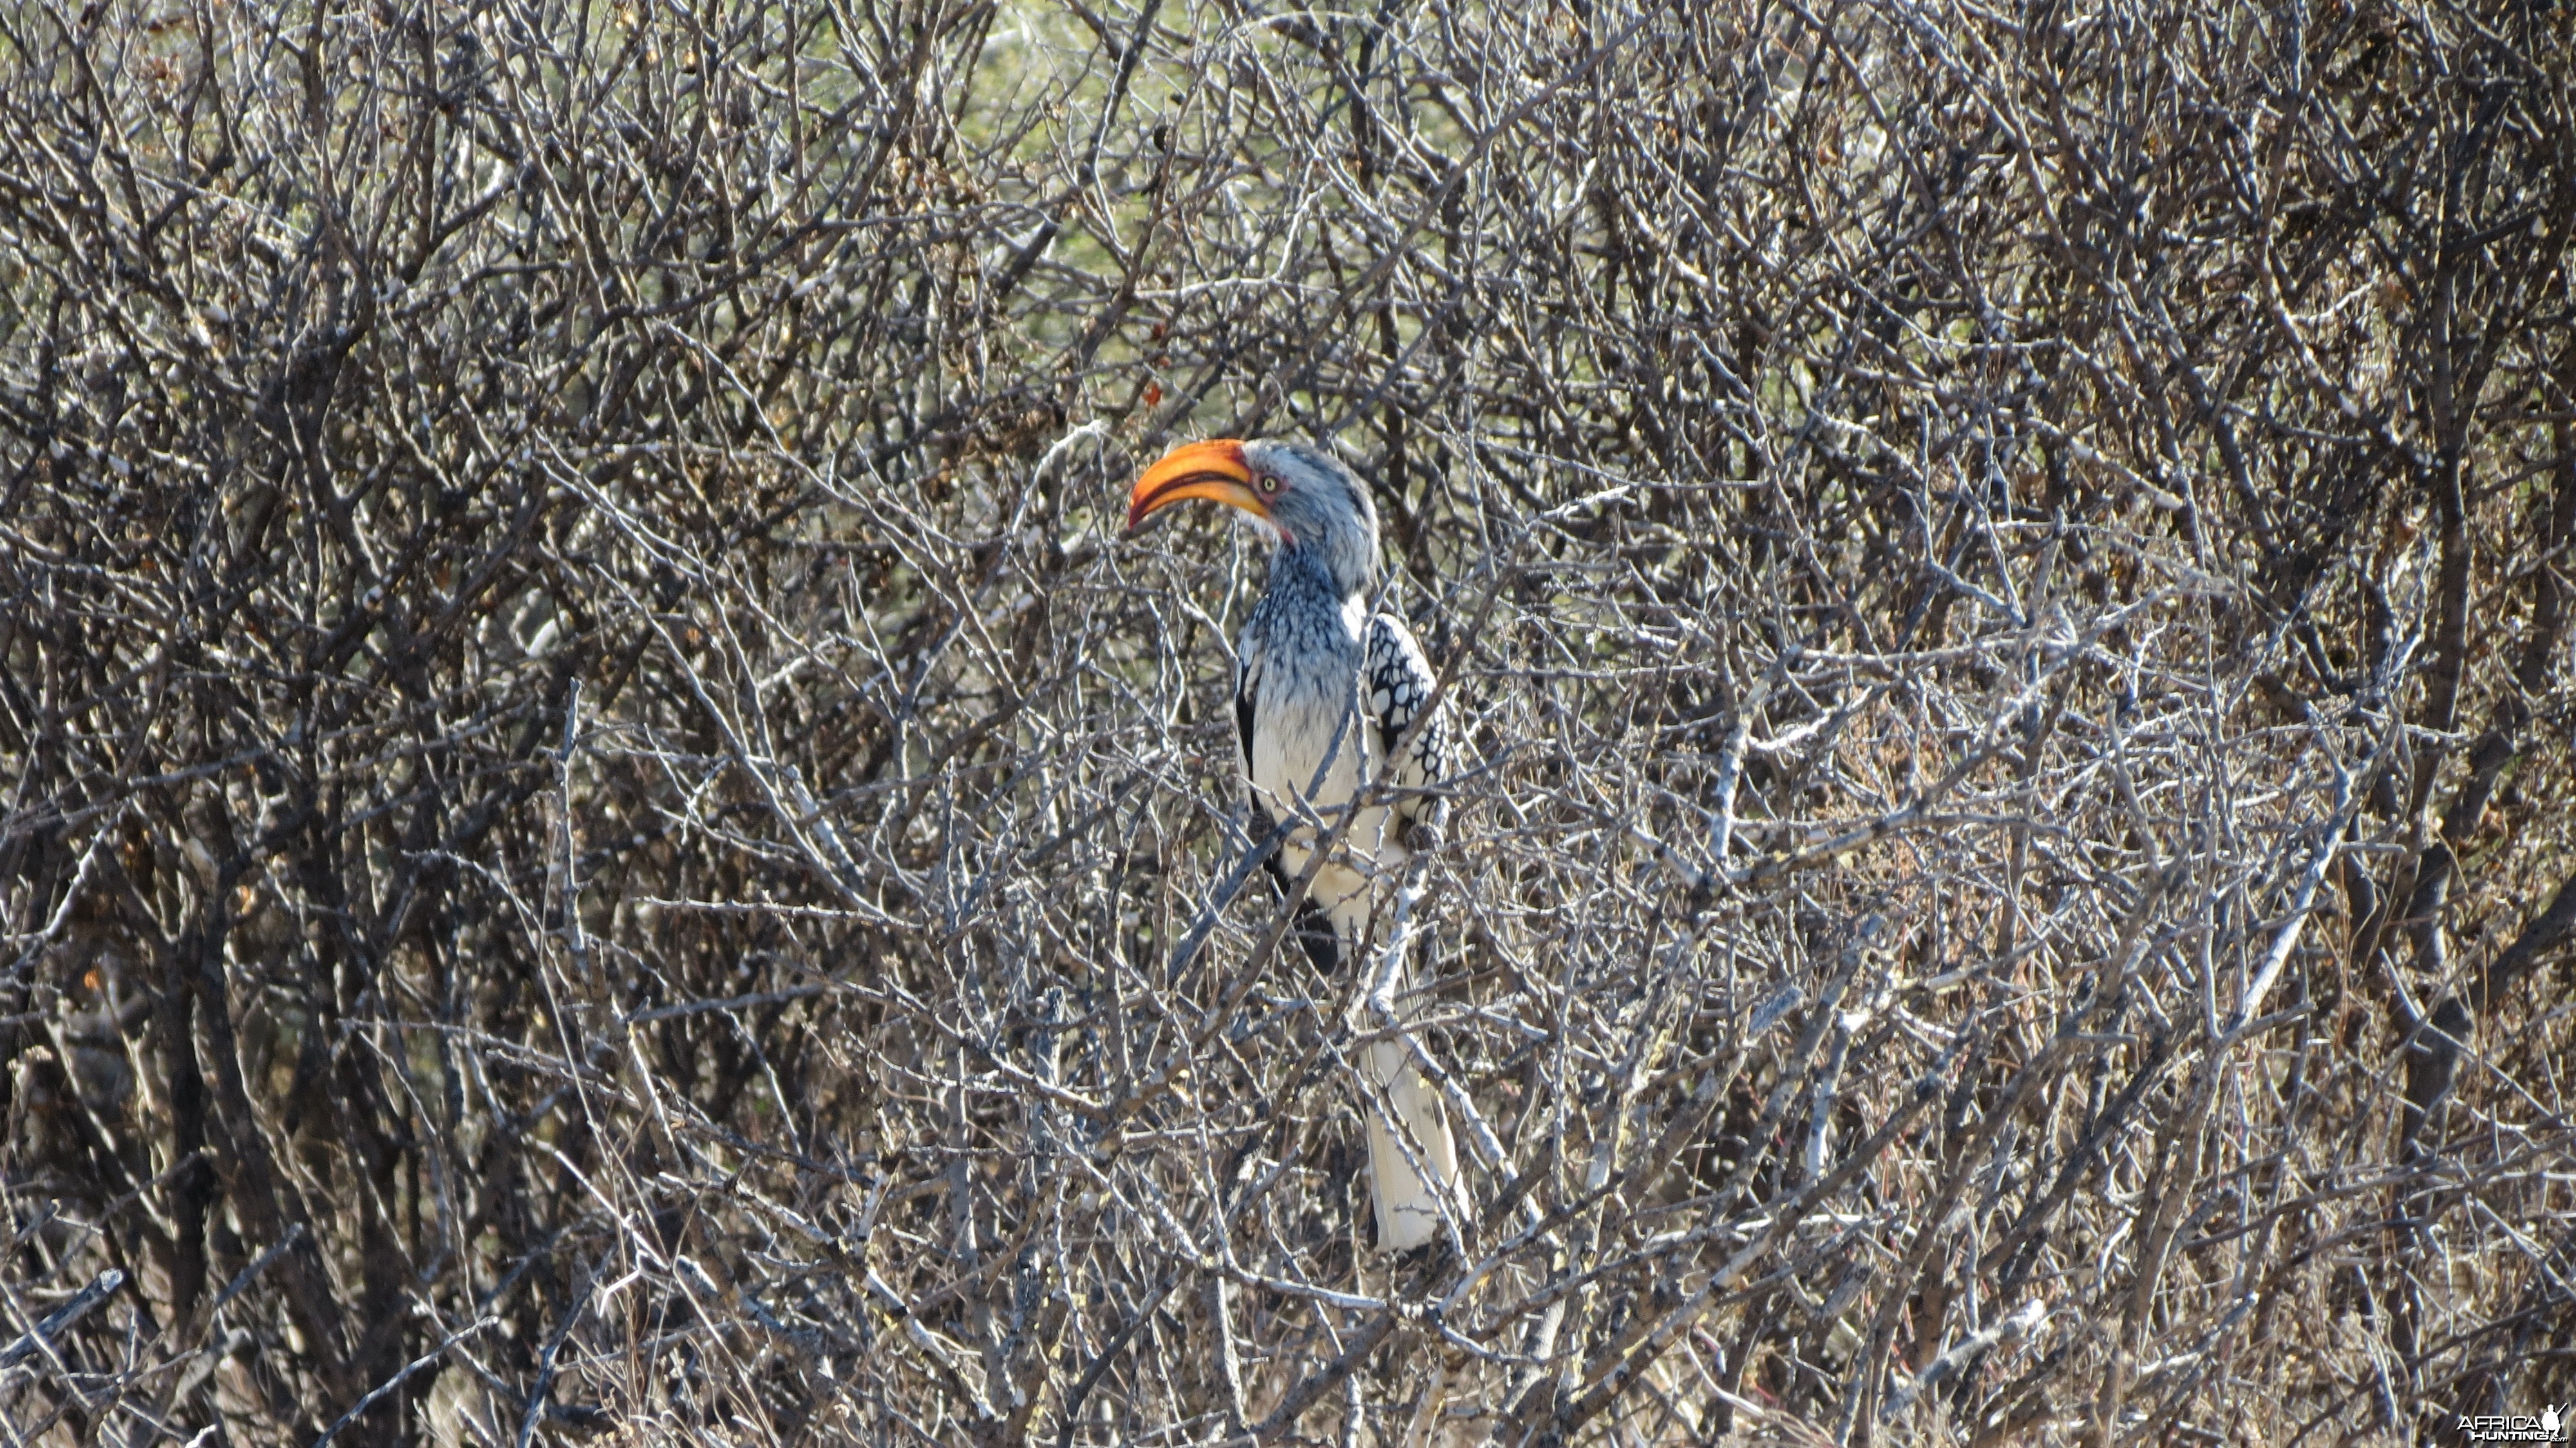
[{"x": 1344, "y": 573}]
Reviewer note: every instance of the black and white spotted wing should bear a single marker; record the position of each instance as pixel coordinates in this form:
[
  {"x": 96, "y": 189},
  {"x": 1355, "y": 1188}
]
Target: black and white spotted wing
[{"x": 1398, "y": 684}]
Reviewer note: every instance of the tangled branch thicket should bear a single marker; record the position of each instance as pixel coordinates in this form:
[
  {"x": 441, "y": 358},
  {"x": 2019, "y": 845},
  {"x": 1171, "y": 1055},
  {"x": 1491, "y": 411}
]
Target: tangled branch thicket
[{"x": 603, "y": 834}]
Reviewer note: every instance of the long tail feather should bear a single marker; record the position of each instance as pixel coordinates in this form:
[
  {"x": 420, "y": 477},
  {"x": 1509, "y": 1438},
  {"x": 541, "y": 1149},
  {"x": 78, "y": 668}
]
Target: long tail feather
[
  {"x": 1413, "y": 1177},
  {"x": 1412, "y": 1158}
]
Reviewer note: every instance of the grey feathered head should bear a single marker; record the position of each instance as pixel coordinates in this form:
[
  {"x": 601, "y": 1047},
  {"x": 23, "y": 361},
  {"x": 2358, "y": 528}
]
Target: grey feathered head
[{"x": 1303, "y": 496}]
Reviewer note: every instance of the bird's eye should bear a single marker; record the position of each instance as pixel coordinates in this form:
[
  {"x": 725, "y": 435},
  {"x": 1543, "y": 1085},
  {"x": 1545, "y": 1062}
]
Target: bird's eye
[{"x": 1267, "y": 483}]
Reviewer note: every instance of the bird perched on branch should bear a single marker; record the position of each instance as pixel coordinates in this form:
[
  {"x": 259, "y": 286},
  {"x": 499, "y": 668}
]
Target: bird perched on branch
[{"x": 1324, "y": 695}]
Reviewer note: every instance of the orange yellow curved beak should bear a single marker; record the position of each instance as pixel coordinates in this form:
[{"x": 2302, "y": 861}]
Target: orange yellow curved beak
[{"x": 1214, "y": 470}]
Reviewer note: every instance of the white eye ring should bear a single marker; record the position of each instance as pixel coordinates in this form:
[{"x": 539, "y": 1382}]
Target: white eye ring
[{"x": 1266, "y": 483}]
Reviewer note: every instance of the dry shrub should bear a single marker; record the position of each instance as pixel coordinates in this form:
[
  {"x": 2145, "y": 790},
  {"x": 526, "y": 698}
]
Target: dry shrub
[{"x": 603, "y": 834}]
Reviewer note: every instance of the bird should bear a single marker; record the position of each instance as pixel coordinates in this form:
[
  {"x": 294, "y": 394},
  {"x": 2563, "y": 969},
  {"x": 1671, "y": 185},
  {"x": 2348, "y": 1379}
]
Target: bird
[{"x": 1325, "y": 692}]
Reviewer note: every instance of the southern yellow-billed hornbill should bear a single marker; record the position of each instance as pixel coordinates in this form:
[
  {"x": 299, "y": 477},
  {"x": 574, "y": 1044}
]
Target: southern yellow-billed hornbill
[{"x": 1323, "y": 695}]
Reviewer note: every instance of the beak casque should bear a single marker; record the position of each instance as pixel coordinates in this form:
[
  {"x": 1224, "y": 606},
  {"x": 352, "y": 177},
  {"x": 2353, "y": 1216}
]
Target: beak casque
[{"x": 1214, "y": 470}]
